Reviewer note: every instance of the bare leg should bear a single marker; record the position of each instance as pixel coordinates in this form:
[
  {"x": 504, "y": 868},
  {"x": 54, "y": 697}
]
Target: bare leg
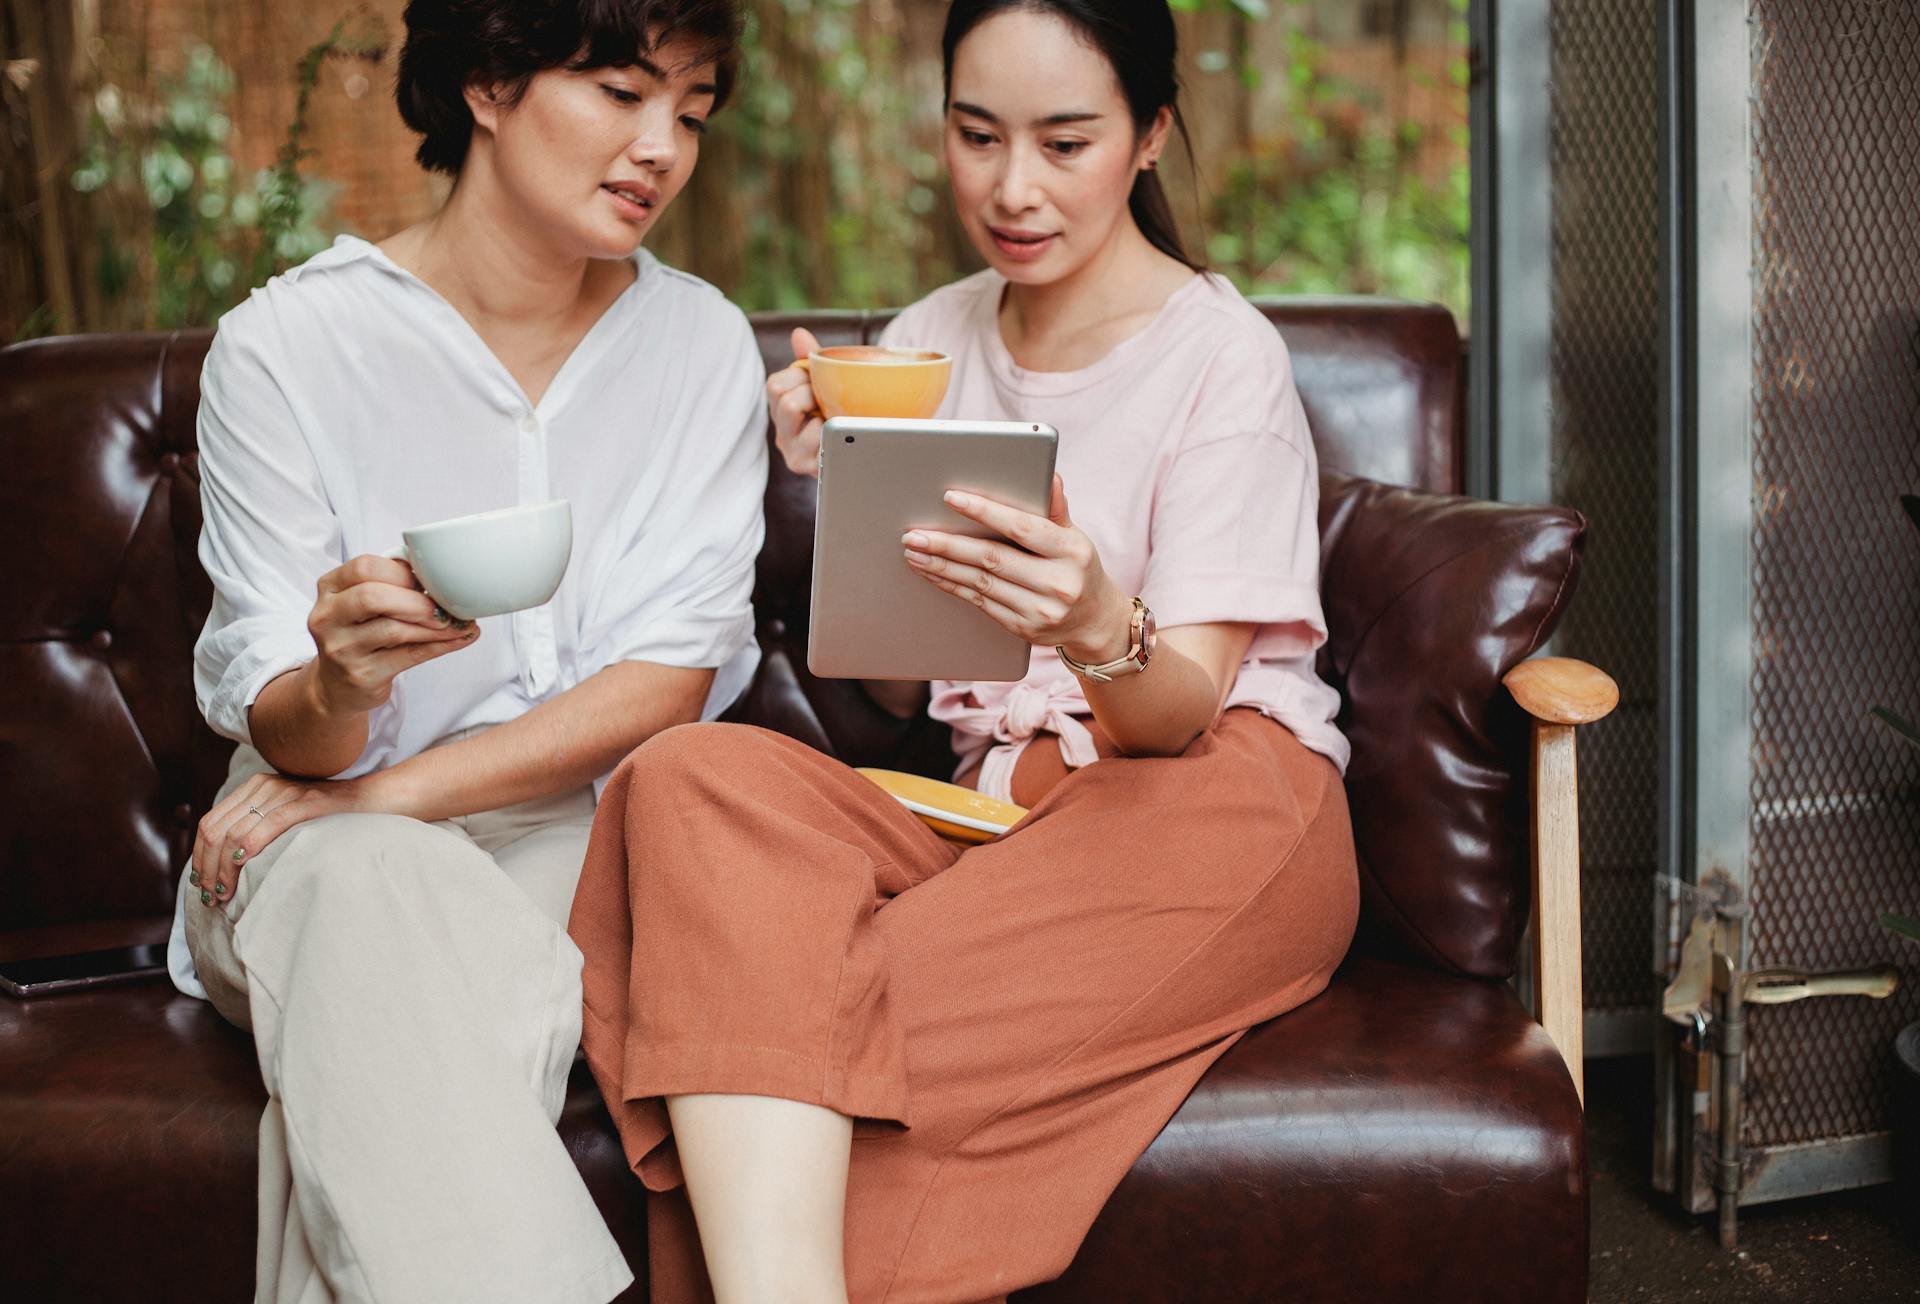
[{"x": 768, "y": 1182}]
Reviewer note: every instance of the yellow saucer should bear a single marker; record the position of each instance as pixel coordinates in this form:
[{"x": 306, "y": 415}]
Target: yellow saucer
[{"x": 949, "y": 809}]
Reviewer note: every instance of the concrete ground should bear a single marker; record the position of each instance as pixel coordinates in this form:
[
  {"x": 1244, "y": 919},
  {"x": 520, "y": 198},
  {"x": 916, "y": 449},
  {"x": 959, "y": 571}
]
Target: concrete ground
[{"x": 1856, "y": 1247}]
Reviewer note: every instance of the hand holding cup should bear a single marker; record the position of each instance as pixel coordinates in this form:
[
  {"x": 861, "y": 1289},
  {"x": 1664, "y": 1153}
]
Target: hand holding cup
[
  {"x": 369, "y": 622},
  {"x": 849, "y": 380},
  {"x": 796, "y": 414},
  {"x": 377, "y": 616}
]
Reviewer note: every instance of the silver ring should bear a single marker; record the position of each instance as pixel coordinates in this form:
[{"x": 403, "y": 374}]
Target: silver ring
[{"x": 255, "y": 810}]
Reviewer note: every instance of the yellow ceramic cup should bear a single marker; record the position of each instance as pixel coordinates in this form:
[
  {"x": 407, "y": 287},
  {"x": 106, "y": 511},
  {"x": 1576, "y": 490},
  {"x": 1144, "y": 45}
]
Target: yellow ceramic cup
[{"x": 865, "y": 380}]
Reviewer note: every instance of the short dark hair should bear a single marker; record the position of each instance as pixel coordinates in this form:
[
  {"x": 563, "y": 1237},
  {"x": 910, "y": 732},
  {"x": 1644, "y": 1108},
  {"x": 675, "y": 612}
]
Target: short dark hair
[{"x": 451, "y": 44}]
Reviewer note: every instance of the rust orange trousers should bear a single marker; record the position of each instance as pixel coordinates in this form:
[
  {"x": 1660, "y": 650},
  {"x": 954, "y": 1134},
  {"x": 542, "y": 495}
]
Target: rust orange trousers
[{"x": 1009, "y": 1025}]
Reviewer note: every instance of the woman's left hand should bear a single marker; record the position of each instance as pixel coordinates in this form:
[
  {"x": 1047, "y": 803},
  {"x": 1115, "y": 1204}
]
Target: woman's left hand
[
  {"x": 260, "y": 810},
  {"x": 1051, "y": 589}
]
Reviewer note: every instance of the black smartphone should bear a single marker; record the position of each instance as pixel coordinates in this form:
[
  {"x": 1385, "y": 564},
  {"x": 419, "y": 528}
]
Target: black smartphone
[{"x": 59, "y": 973}]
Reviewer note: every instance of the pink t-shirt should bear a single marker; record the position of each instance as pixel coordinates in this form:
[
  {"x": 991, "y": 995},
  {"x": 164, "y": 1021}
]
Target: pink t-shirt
[{"x": 1187, "y": 460}]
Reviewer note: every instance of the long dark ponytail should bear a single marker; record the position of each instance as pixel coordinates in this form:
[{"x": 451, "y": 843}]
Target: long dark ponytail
[{"x": 1138, "y": 39}]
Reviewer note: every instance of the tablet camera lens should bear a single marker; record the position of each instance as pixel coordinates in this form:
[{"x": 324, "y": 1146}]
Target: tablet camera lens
[{"x": 849, "y": 439}]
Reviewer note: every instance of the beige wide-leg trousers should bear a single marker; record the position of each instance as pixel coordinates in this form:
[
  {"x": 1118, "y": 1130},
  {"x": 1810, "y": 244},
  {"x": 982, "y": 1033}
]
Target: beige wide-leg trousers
[{"x": 415, "y": 1004}]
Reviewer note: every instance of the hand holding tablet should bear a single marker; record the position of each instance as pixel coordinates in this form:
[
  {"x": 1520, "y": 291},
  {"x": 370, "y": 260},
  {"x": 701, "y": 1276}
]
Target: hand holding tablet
[
  {"x": 919, "y": 520},
  {"x": 875, "y": 613},
  {"x": 1037, "y": 576}
]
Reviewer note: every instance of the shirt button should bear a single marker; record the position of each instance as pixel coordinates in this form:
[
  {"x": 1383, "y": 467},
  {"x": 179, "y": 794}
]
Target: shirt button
[{"x": 527, "y": 424}]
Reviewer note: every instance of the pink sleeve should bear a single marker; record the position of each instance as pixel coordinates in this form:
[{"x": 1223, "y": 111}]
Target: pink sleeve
[
  {"x": 908, "y": 329},
  {"x": 1235, "y": 534}
]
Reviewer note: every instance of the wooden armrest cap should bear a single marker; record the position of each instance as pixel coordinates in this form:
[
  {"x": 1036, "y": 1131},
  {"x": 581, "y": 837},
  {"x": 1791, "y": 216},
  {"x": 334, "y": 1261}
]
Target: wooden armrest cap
[{"x": 1562, "y": 690}]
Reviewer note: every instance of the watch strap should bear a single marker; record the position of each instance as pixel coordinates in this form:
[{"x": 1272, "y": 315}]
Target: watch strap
[{"x": 1130, "y": 662}]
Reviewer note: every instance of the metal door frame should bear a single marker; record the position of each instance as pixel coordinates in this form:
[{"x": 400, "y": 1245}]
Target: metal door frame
[
  {"x": 1707, "y": 415},
  {"x": 1510, "y": 386},
  {"x": 1510, "y": 378},
  {"x": 1706, "y": 510},
  {"x": 1708, "y": 328},
  {"x": 1706, "y": 425}
]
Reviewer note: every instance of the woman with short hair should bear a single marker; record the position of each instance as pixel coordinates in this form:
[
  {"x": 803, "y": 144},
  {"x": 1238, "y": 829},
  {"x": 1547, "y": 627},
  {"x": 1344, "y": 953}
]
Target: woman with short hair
[{"x": 380, "y": 890}]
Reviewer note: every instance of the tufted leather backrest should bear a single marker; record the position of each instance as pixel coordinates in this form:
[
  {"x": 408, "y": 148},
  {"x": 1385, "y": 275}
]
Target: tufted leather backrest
[
  {"x": 105, "y": 764},
  {"x": 104, "y": 761}
]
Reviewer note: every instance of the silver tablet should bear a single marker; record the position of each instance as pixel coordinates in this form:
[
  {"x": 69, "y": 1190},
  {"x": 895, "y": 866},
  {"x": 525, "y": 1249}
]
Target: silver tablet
[{"x": 873, "y": 617}]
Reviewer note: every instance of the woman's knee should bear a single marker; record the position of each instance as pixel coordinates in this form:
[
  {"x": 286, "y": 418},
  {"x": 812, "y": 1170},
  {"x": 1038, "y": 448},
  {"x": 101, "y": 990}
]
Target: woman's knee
[
  {"x": 695, "y": 789},
  {"x": 690, "y": 760},
  {"x": 358, "y": 855}
]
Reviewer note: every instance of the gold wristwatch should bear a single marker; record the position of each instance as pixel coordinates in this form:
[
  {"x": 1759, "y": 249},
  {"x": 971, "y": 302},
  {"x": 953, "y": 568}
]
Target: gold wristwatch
[{"x": 1141, "y": 636}]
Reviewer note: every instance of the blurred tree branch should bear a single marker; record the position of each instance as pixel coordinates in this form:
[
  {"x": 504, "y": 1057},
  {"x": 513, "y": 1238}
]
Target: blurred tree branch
[
  {"x": 45, "y": 285},
  {"x": 1330, "y": 154}
]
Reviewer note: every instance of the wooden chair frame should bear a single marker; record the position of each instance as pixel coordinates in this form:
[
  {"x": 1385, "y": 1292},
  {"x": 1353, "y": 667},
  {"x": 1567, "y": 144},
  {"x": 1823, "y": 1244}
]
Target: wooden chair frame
[{"x": 1560, "y": 694}]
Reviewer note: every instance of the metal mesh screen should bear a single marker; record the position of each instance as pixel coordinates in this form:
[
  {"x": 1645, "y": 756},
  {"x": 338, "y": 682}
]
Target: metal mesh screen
[
  {"x": 1605, "y": 455},
  {"x": 1836, "y": 566}
]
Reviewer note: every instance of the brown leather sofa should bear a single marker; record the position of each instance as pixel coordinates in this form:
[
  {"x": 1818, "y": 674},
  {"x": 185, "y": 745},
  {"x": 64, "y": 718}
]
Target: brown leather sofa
[{"x": 1410, "y": 1135}]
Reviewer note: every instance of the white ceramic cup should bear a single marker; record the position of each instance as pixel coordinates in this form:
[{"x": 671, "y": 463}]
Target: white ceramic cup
[{"x": 493, "y": 562}]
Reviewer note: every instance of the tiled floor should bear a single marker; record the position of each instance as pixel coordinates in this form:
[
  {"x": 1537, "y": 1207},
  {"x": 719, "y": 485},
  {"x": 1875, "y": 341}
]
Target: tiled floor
[{"x": 1857, "y": 1247}]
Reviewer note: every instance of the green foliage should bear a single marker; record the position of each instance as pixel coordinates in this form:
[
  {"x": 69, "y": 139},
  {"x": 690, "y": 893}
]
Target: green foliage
[
  {"x": 835, "y": 195},
  {"x": 831, "y": 177},
  {"x": 1338, "y": 229},
  {"x": 1904, "y": 925},
  {"x": 290, "y": 206},
  {"x": 201, "y": 236},
  {"x": 822, "y": 185},
  {"x": 1338, "y": 205},
  {"x": 1251, "y": 8},
  {"x": 42, "y": 321}
]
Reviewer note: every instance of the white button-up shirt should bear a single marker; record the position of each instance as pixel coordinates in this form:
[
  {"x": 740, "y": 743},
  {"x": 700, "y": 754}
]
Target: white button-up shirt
[{"x": 346, "y": 401}]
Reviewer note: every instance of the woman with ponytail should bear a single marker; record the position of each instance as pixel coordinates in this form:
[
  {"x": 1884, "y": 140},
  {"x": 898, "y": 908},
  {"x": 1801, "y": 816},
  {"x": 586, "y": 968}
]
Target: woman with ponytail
[{"x": 883, "y": 1067}]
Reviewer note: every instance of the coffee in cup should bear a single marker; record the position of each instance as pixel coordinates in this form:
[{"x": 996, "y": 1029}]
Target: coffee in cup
[
  {"x": 493, "y": 562},
  {"x": 868, "y": 380}
]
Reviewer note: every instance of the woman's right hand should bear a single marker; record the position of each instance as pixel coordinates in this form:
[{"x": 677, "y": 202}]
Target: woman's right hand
[
  {"x": 370, "y": 622},
  {"x": 796, "y": 419}
]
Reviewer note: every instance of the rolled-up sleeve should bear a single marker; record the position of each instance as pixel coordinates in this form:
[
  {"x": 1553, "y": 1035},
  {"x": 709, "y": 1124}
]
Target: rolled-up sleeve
[
  {"x": 1235, "y": 531},
  {"x": 267, "y": 532},
  {"x": 680, "y": 589}
]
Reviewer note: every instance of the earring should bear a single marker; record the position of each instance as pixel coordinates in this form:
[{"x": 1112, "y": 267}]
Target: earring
[{"x": 1153, "y": 164}]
